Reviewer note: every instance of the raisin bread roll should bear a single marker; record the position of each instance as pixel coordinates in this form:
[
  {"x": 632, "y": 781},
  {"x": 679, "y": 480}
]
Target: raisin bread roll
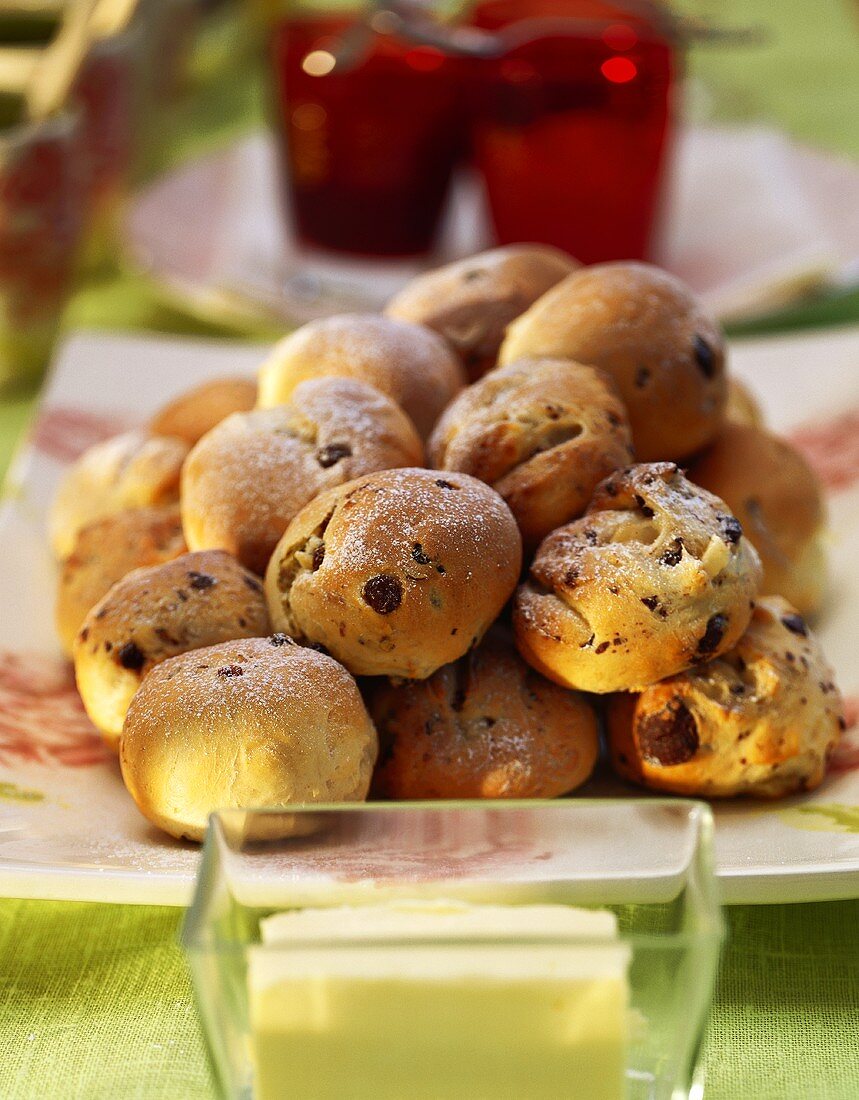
[
  {"x": 655, "y": 578},
  {"x": 486, "y": 726},
  {"x": 247, "y": 478},
  {"x": 195, "y": 412},
  {"x": 154, "y": 613},
  {"x": 645, "y": 329},
  {"x": 396, "y": 573},
  {"x": 471, "y": 302},
  {"x": 259, "y": 723},
  {"x": 410, "y": 364},
  {"x": 133, "y": 470},
  {"x": 775, "y": 494},
  {"x": 762, "y": 719},
  {"x": 542, "y": 432},
  {"x": 104, "y": 552}
]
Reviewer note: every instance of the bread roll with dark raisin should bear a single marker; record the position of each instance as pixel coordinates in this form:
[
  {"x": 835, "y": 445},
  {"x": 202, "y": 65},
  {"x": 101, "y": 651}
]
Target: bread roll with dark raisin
[
  {"x": 104, "y": 552},
  {"x": 762, "y": 719},
  {"x": 645, "y": 329},
  {"x": 657, "y": 576},
  {"x": 775, "y": 494},
  {"x": 471, "y": 302},
  {"x": 542, "y": 432},
  {"x": 396, "y": 573},
  {"x": 486, "y": 726},
  {"x": 410, "y": 364},
  {"x": 246, "y": 479},
  {"x": 245, "y": 724},
  {"x": 133, "y": 470},
  {"x": 154, "y": 613},
  {"x": 196, "y": 411}
]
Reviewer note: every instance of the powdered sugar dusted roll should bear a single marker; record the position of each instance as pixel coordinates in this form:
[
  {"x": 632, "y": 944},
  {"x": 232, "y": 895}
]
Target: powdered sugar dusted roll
[
  {"x": 412, "y": 365},
  {"x": 258, "y": 723},
  {"x": 396, "y": 573},
  {"x": 247, "y": 478},
  {"x": 155, "y": 613}
]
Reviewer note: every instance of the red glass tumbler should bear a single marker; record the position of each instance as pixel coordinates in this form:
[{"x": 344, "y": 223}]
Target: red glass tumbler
[
  {"x": 572, "y": 120},
  {"x": 371, "y": 126}
]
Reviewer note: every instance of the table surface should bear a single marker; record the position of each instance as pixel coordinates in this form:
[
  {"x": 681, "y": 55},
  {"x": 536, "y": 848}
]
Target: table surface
[{"x": 95, "y": 1000}]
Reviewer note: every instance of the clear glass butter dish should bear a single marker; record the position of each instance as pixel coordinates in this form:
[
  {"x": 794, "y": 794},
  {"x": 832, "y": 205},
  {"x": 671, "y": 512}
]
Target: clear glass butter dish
[{"x": 400, "y": 951}]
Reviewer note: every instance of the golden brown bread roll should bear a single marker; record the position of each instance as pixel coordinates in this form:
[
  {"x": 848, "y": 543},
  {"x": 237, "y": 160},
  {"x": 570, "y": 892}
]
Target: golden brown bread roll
[
  {"x": 410, "y": 364},
  {"x": 645, "y": 329},
  {"x": 104, "y": 551},
  {"x": 133, "y": 470},
  {"x": 396, "y": 573},
  {"x": 154, "y": 613},
  {"x": 486, "y": 726},
  {"x": 247, "y": 478},
  {"x": 195, "y": 412},
  {"x": 742, "y": 406},
  {"x": 471, "y": 302},
  {"x": 775, "y": 494},
  {"x": 655, "y": 577},
  {"x": 761, "y": 720},
  {"x": 245, "y": 724},
  {"x": 542, "y": 433}
]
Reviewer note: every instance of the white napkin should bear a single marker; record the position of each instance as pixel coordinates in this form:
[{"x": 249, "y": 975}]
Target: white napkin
[{"x": 743, "y": 227}]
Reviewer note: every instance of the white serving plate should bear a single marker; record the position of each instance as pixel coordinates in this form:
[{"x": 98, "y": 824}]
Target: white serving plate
[
  {"x": 752, "y": 220},
  {"x": 68, "y": 829}
]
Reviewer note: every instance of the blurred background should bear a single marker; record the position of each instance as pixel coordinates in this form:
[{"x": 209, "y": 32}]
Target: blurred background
[{"x": 206, "y": 166}]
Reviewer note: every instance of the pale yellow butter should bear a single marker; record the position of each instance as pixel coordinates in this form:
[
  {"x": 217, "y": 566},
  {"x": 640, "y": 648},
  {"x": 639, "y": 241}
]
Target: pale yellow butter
[{"x": 424, "y": 1000}]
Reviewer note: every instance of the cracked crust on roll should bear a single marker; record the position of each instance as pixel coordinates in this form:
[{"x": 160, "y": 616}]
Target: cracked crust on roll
[
  {"x": 409, "y": 363},
  {"x": 471, "y": 302},
  {"x": 648, "y": 332},
  {"x": 396, "y": 573},
  {"x": 155, "y": 613},
  {"x": 761, "y": 720},
  {"x": 543, "y": 433},
  {"x": 657, "y": 576},
  {"x": 248, "y": 477},
  {"x": 245, "y": 724},
  {"x": 486, "y": 726}
]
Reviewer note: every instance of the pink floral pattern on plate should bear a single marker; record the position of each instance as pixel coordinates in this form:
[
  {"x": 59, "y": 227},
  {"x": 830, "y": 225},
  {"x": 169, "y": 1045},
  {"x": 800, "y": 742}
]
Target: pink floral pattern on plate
[
  {"x": 64, "y": 433},
  {"x": 42, "y": 719},
  {"x": 832, "y": 449}
]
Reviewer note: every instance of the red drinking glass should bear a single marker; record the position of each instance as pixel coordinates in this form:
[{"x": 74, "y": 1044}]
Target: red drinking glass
[
  {"x": 572, "y": 121},
  {"x": 371, "y": 126}
]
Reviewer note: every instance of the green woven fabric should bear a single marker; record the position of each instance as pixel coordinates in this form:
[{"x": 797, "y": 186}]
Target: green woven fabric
[
  {"x": 95, "y": 1000},
  {"x": 785, "y": 1020}
]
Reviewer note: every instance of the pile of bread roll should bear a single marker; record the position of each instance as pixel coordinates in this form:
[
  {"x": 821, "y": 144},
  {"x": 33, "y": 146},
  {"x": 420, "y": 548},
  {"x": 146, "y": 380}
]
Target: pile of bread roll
[{"x": 431, "y": 548}]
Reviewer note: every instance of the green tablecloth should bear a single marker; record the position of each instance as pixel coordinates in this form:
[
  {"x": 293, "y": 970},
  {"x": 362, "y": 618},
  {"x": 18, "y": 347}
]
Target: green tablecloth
[{"x": 95, "y": 1000}]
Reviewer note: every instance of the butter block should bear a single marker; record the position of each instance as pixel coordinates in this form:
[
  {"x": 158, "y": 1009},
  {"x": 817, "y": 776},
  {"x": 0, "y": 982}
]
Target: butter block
[{"x": 439, "y": 1000}]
